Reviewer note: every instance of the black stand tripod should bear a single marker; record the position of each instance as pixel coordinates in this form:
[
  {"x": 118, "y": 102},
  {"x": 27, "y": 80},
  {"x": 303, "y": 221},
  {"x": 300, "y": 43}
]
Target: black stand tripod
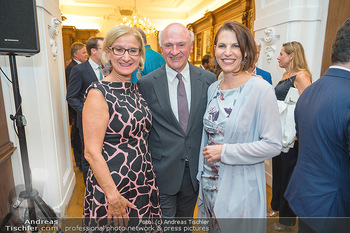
[{"x": 29, "y": 194}]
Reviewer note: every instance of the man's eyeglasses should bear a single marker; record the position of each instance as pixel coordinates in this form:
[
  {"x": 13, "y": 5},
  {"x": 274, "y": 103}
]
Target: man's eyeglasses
[{"x": 121, "y": 51}]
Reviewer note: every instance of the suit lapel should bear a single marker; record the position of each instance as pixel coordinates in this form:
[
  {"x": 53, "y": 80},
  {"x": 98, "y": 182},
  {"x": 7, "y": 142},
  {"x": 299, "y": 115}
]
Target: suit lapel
[
  {"x": 91, "y": 72},
  {"x": 196, "y": 90},
  {"x": 161, "y": 89}
]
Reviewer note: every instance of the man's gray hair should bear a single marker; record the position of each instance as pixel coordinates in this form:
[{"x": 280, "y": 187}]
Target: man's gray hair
[{"x": 161, "y": 32}]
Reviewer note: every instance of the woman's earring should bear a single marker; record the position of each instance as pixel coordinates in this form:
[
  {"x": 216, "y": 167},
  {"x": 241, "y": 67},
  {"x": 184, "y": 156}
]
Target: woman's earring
[
  {"x": 106, "y": 69},
  {"x": 138, "y": 73}
]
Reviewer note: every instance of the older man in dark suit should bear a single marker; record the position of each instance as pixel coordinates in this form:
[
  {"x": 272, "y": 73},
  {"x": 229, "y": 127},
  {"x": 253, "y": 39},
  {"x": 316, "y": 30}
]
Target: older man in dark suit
[
  {"x": 81, "y": 77},
  {"x": 177, "y": 95},
  {"x": 79, "y": 55},
  {"x": 320, "y": 184}
]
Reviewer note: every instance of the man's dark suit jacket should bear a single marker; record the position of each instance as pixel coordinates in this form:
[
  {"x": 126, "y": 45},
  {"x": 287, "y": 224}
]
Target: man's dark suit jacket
[
  {"x": 168, "y": 143},
  {"x": 320, "y": 184},
  {"x": 266, "y": 75},
  {"x": 69, "y": 69},
  {"x": 80, "y": 79},
  {"x": 72, "y": 113}
]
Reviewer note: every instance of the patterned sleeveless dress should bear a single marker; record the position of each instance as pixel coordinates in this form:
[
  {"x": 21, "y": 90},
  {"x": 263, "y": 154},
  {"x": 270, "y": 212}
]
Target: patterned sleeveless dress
[
  {"x": 215, "y": 120},
  {"x": 125, "y": 149}
]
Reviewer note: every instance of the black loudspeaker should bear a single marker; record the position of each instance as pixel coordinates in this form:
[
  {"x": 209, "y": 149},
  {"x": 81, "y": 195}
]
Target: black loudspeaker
[{"x": 18, "y": 28}]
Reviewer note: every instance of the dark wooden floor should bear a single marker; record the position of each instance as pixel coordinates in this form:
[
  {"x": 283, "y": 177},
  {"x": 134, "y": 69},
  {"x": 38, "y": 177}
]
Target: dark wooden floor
[{"x": 75, "y": 207}]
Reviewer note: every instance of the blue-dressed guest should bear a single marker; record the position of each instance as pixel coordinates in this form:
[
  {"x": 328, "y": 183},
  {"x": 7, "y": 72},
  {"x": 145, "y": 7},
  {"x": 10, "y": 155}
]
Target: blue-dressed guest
[
  {"x": 240, "y": 132},
  {"x": 153, "y": 59}
]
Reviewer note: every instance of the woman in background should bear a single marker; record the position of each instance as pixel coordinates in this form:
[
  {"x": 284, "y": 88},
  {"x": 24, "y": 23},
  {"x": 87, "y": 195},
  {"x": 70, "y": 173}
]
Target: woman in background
[
  {"x": 116, "y": 122},
  {"x": 240, "y": 132},
  {"x": 297, "y": 75}
]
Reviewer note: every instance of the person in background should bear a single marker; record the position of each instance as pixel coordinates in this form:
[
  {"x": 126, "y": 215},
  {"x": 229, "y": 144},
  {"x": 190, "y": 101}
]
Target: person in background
[
  {"x": 79, "y": 55},
  {"x": 153, "y": 60},
  {"x": 240, "y": 132},
  {"x": 256, "y": 70},
  {"x": 207, "y": 63},
  {"x": 80, "y": 79},
  {"x": 120, "y": 183},
  {"x": 297, "y": 75},
  {"x": 319, "y": 189},
  {"x": 217, "y": 70},
  {"x": 176, "y": 94}
]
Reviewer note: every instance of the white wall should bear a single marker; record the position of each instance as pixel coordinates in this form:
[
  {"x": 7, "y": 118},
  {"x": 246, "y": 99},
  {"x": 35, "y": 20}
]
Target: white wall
[
  {"x": 42, "y": 86},
  {"x": 292, "y": 20},
  {"x": 299, "y": 20}
]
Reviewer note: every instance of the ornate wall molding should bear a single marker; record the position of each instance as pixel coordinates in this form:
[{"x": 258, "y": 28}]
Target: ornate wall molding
[
  {"x": 270, "y": 39},
  {"x": 238, "y": 10},
  {"x": 53, "y": 32}
]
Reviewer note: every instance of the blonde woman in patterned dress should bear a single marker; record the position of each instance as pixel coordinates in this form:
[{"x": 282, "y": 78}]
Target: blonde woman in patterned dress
[{"x": 116, "y": 120}]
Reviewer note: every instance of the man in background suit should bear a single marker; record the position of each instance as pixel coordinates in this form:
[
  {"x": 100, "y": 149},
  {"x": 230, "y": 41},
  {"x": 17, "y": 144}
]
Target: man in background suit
[
  {"x": 176, "y": 93},
  {"x": 255, "y": 70},
  {"x": 207, "y": 63},
  {"x": 80, "y": 79},
  {"x": 79, "y": 54},
  {"x": 320, "y": 184}
]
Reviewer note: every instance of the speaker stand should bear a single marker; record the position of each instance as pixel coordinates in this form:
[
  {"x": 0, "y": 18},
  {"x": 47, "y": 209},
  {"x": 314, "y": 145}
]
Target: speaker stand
[{"x": 29, "y": 194}]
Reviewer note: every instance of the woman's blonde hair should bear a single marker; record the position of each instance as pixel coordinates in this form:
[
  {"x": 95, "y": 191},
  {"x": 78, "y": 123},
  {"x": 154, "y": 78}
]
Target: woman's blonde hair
[
  {"x": 113, "y": 35},
  {"x": 298, "y": 63}
]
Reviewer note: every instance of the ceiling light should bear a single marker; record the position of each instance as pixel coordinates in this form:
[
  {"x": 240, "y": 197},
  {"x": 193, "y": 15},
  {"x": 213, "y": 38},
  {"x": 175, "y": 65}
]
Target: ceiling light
[{"x": 144, "y": 23}]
